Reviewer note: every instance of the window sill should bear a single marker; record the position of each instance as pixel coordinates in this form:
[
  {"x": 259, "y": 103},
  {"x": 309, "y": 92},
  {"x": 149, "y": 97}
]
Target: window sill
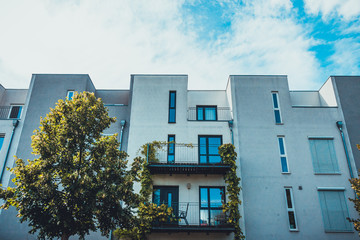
[
  {"x": 339, "y": 231},
  {"x": 294, "y": 230},
  {"x": 279, "y": 123},
  {"x": 286, "y": 173},
  {"x": 327, "y": 173}
]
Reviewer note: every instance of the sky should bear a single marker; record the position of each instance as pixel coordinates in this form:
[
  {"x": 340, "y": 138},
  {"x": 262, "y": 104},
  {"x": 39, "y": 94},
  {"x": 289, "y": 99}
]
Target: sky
[{"x": 307, "y": 40}]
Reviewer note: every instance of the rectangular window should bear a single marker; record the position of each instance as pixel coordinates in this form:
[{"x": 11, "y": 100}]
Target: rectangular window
[
  {"x": 70, "y": 94},
  {"x": 172, "y": 107},
  {"x": 206, "y": 113},
  {"x": 323, "y": 155},
  {"x": 334, "y": 211},
  {"x": 2, "y": 137},
  {"x": 211, "y": 201},
  {"x": 283, "y": 158},
  {"x": 275, "y": 97},
  {"x": 290, "y": 209},
  {"x": 15, "y": 112},
  {"x": 209, "y": 149},
  {"x": 171, "y": 149}
]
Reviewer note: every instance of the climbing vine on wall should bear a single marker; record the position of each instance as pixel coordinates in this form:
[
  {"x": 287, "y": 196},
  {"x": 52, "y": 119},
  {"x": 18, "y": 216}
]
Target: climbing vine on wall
[
  {"x": 228, "y": 156},
  {"x": 147, "y": 212}
]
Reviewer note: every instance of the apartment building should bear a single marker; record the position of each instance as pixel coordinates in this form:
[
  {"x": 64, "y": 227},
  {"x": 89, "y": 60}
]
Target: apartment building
[{"x": 296, "y": 150}]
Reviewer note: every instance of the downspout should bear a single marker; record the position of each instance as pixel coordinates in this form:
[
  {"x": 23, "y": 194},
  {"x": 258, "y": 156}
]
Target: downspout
[
  {"x": 15, "y": 124},
  {"x": 340, "y": 124},
  {"x": 231, "y": 123},
  {"x": 122, "y": 124}
]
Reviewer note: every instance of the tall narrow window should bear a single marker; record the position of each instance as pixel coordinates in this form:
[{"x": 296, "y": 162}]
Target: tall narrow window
[
  {"x": 323, "y": 155},
  {"x": 283, "y": 158},
  {"x": 171, "y": 149},
  {"x": 70, "y": 94},
  {"x": 2, "y": 137},
  {"x": 211, "y": 202},
  {"x": 290, "y": 209},
  {"x": 206, "y": 113},
  {"x": 209, "y": 149},
  {"x": 172, "y": 107},
  {"x": 15, "y": 112},
  {"x": 275, "y": 97},
  {"x": 334, "y": 211}
]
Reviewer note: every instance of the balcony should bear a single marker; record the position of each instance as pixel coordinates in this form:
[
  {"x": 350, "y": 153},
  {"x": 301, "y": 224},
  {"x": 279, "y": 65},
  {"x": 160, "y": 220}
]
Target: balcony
[
  {"x": 175, "y": 158},
  {"x": 209, "y": 113},
  {"x": 191, "y": 217},
  {"x": 10, "y": 112}
]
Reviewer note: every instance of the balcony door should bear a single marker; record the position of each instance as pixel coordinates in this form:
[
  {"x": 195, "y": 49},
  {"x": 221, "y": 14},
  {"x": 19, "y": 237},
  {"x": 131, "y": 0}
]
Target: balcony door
[
  {"x": 211, "y": 206},
  {"x": 168, "y": 195}
]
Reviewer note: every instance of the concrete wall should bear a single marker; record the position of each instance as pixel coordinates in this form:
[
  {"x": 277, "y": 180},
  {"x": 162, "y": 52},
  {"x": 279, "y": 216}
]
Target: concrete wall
[
  {"x": 263, "y": 182},
  {"x": 348, "y": 96}
]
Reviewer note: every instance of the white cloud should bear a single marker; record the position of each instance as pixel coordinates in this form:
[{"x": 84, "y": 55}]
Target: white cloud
[
  {"x": 112, "y": 39},
  {"x": 347, "y": 9}
]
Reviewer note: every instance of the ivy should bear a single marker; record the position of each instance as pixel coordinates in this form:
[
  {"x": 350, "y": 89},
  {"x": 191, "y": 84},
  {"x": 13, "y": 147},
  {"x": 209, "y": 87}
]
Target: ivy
[
  {"x": 148, "y": 213},
  {"x": 228, "y": 156}
]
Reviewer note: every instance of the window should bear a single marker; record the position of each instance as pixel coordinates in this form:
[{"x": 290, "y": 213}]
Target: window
[
  {"x": 275, "y": 97},
  {"x": 70, "y": 94},
  {"x": 15, "y": 112},
  {"x": 334, "y": 211},
  {"x": 171, "y": 149},
  {"x": 290, "y": 209},
  {"x": 2, "y": 137},
  {"x": 208, "y": 149},
  {"x": 283, "y": 159},
  {"x": 323, "y": 155},
  {"x": 172, "y": 107},
  {"x": 206, "y": 113},
  {"x": 211, "y": 201}
]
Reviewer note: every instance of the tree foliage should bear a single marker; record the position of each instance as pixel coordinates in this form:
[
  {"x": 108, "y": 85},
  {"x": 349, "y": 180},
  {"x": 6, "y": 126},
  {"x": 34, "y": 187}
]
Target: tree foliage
[
  {"x": 78, "y": 181},
  {"x": 355, "y": 184}
]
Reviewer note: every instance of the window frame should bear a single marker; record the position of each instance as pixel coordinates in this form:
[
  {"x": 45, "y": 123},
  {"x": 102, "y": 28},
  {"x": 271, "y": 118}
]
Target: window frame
[
  {"x": 207, "y": 148},
  {"x": 168, "y": 147},
  {"x": 172, "y": 108},
  {"x": 345, "y": 210},
  {"x": 19, "y": 113},
  {"x": 332, "y": 153},
  {"x": 276, "y": 107},
  {"x": 290, "y": 209},
  {"x": 204, "y": 107},
  {"x": 283, "y": 155},
  {"x": 2, "y": 136},
  {"x": 209, "y": 208},
  {"x": 68, "y": 94}
]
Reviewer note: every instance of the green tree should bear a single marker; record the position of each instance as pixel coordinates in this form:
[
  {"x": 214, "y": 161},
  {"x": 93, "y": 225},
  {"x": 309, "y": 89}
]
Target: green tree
[
  {"x": 78, "y": 181},
  {"x": 355, "y": 184}
]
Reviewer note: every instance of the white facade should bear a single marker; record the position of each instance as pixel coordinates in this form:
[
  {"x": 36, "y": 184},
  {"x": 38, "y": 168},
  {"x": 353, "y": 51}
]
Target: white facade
[{"x": 308, "y": 162}]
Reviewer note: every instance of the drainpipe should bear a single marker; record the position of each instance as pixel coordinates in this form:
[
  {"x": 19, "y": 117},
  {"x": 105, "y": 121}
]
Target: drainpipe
[
  {"x": 231, "y": 123},
  {"x": 340, "y": 125},
  {"x": 15, "y": 124},
  {"x": 122, "y": 124}
]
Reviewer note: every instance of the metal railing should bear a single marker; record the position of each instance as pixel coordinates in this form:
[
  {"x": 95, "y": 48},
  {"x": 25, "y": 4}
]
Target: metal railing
[
  {"x": 175, "y": 153},
  {"x": 222, "y": 114},
  {"x": 194, "y": 214},
  {"x": 4, "y": 112}
]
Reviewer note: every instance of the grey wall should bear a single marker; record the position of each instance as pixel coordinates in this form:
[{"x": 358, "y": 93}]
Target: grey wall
[{"x": 348, "y": 89}]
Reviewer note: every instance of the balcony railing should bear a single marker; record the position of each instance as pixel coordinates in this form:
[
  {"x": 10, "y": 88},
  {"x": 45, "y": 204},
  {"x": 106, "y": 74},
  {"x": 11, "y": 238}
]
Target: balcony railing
[
  {"x": 222, "y": 114},
  {"x": 4, "y": 112},
  {"x": 195, "y": 217},
  {"x": 175, "y": 158}
]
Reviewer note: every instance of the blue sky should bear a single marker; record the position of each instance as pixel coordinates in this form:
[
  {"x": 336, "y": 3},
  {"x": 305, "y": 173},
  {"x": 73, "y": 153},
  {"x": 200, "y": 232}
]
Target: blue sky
[{"x": 307, "y": 40}]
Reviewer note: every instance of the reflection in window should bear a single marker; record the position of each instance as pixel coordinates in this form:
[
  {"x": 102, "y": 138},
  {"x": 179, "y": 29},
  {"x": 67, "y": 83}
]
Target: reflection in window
[
  {"x": 171, "y": 149},
  {"x": 212, "y": 199},
  {"x": 275, "y": 97},
  {"x": 15, "y": 112},
  {"x": 206, "y": 113},
  {"x": 156, "y": 196},
  {"x": 209, "y": 149},
  {"x": 172, "y": 107},
  {"x": 290, "y": 208},
  {"x": 70, "y": 94}
]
